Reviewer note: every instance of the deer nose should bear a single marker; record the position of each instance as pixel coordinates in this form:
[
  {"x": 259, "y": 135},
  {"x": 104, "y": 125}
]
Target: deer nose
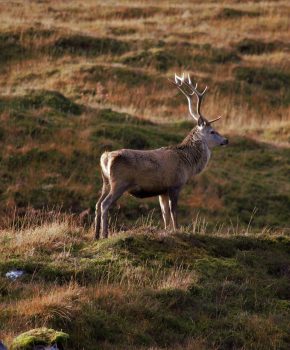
[{"x": 225, "y": 142}]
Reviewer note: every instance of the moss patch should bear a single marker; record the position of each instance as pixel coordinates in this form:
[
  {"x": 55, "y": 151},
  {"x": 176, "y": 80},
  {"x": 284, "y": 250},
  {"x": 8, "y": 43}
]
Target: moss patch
[{"x": 39, "y": 336}]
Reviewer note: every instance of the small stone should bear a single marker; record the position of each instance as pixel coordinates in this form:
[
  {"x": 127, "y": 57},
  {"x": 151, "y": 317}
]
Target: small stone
[{"x": 14, "y": 274}]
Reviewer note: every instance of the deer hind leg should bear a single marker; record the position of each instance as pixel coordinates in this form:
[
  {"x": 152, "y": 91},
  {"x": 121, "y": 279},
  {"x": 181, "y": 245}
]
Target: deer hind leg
[
  {"x": 173, "y": 201},
  {"x": 105, "y": 192},
  {"x": 164, "y": 205},
  {"x": 114, "y": 194}
]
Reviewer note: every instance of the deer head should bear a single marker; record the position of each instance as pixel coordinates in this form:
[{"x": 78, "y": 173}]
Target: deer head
[{"x": 212, "y": 137}]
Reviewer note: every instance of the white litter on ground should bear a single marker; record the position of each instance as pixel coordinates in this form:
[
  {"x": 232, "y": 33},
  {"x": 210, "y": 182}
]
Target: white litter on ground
[
  {"x": 43, "y": 347},
  {"x": 14, "y": 274},
  {"x": 2, "y": 346}
]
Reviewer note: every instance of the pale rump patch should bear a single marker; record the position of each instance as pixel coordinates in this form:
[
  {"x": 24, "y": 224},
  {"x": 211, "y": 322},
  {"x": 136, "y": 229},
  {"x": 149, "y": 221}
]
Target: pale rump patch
[{"x": 105, "y": 164}]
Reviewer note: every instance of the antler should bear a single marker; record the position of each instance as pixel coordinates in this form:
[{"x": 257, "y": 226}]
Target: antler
[
  {"x": 214, "y": 120},
  {"x": 181, "y": 81}
]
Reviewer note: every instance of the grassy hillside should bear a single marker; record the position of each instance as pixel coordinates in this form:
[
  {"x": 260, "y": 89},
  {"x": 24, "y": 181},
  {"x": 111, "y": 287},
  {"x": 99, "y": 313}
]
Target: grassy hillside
[
  {"x": 147, "y": 289},
  {"x": 81, "y": 77},
  {"x": 52, "y": 148},
  {"x": 84, "y": 77}
]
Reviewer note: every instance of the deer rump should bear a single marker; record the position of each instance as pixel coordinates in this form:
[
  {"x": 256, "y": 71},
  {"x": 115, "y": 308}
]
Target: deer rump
[{"x": 145, "y": 173}]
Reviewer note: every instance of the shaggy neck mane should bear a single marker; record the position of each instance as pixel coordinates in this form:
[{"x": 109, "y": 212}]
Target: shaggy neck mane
[
  {"x": 192, "y": 139},
  {"x": 192, "y": 150}
]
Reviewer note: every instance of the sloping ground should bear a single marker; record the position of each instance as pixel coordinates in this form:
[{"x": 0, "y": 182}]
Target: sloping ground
[
  {"x": 147, "y": 289},
  {"x": 50, "y": 150},
  {"x": 67, "y": 71}
]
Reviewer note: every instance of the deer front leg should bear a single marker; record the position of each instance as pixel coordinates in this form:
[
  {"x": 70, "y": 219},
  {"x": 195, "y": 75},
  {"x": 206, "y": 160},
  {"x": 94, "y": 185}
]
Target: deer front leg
[
  {"x": 164, "y": 205},
  {"x": 173, "y": 201}
]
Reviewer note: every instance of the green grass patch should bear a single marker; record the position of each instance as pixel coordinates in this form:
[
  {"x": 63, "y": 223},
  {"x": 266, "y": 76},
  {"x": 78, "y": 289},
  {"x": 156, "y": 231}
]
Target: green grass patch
[
  {"x": 232, "y": 13},
  {"x": 39, "y": 99},
  {"x": 211, "y": 55},
  {"x": 123, "y": 75},
  {"x": 21, "y": 45},
  {"x": 10, "y": 48},
  {"x": 267, "y": 78},
  {"x": 257, "y": 47},
  {"x": 119, "y": 31},
  {"x": 88, "y": 46},
  {"x": 162, "y": 59},
  {"x": 250, "y": 190},
  {"x": 273, "y": 81}
]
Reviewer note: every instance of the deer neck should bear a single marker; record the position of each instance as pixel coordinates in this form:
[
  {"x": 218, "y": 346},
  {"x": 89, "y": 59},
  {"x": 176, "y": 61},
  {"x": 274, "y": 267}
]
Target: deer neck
[{"x": 194, "y": 151}]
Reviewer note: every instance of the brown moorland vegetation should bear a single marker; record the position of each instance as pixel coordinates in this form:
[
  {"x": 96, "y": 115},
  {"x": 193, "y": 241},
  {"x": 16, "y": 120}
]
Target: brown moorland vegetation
[{"x": 80, "y": 77}]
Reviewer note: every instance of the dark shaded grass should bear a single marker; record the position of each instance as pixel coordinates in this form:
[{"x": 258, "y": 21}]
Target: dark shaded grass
[
  {"x": 30, "y": 43},
  {"x": 271, "y": 80},
  {"x": 181, "y": 55},
  {"x": 88, "y": 46},
  {"x": 120, "y": 75},
  {"x": 39, "y": 99},
  {"x": 232, "y": 13},
  {"x": 258, "y": 47}
]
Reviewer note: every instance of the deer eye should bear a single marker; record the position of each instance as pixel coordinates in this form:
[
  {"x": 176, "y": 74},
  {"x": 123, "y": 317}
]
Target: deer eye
[{"x": 212, "y": 132}]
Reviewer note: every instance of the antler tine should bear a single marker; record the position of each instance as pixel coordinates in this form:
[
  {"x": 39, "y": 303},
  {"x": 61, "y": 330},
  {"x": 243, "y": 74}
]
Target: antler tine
[
  {"x": 199, "y": 95},
  {"x": 214, "y": 120},
  {"x": 179, "y": 81}
]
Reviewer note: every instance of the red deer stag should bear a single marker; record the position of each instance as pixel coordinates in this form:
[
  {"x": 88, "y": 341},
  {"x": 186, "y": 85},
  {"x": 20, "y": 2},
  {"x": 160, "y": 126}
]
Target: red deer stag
[{"x": 160, "y": 172}]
